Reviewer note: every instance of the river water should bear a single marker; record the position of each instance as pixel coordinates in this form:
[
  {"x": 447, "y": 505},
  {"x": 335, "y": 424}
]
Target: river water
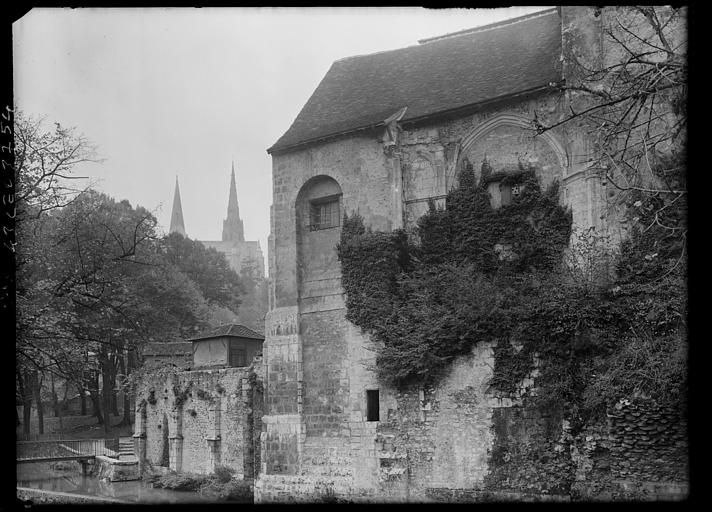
[{"x": 51, "y": 477}]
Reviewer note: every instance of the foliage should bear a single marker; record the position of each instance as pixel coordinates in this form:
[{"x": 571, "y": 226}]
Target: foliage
[
  {"x": 220, "y": 485},
  {"x": 472, "y": 274},
  {"x": 180, "y": 481},
  {"x": 206, "y": 267},
  {"x": 255, "y": 304},
  {"x": 230, "y": 490},
  {"x": 204, "y": 395},
  {"x": 181, "y": 395},
  {"x": 431, "y": 301},
  {"x": 223, "y": 473}
]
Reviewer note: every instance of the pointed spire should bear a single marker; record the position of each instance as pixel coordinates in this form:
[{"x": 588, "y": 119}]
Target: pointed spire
[
  {"x": 177, "y": 213},
  {"x": 233, "y": 230}
]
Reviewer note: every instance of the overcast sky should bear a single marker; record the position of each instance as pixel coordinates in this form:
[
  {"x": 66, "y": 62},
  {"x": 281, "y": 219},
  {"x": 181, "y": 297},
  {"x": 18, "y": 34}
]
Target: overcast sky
[{"x": 168, "y": 92}]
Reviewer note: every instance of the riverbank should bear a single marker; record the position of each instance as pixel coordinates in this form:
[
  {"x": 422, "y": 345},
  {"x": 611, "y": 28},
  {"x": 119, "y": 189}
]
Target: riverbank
[
  {"x": 62, "y": 482},
  {"x": 42, "y": 497}
]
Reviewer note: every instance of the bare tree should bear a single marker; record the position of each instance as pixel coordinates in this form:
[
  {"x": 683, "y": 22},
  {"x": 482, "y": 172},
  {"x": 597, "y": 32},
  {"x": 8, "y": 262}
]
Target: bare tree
[
  {"x": 45, "y": 162},
  {"x": 628, "y": 91}
]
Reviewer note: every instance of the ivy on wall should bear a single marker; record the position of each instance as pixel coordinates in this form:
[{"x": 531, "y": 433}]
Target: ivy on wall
[
  {"x": 457, "y": 280},
  {"x": 471, "y": 273}
]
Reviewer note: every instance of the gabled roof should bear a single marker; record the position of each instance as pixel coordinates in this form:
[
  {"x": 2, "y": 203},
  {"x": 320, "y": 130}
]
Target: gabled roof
[
  {"x": 236, "y": 330},
  {"x": 440, "y": 75}
]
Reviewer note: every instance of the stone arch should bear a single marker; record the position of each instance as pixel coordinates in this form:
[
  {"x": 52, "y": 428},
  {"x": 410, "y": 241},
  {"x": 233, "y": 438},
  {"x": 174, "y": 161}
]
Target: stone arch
[
  {"x": 318, "y": 213},
  {"x": 501, "y": 121}
]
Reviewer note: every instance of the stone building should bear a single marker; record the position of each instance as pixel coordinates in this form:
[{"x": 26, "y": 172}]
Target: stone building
[
  {"x": 238, "y": 251},
  {"x": 229, "y": 345},
  {"x": 381, "y": 135},
  {"x": 194, "y": 418}
]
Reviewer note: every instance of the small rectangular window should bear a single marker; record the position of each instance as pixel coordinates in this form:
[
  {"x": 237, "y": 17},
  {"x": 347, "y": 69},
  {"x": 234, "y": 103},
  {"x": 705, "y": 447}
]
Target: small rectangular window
[
  {"x": 324, "y": 213},
  {"x": 372, "y": 405}
]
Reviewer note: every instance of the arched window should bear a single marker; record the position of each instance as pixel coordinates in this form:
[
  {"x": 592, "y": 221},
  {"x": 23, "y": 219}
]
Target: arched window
[
  {"x": 319, "y": 204},
  {"x": 318, "y": 215}
]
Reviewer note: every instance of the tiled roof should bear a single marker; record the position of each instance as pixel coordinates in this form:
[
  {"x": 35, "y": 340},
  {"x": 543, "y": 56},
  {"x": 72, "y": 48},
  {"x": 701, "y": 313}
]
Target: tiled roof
[
  {"x": 439, "y": 75},
  {"x": 173, "y": 348},
  {"x": 236, "y": 330}
]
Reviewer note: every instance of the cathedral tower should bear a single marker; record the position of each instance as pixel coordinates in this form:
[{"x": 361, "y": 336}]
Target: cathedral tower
[
  {"x": 233, "y": 230},
  {"x": 177, "y": 213}
]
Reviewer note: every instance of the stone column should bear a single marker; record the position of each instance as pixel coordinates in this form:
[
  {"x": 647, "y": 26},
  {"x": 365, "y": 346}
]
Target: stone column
[
  {"x": 248, "y": 452},
  {"x": 213, "y": 438},
  {"x": 175, "y": 445},
  {"x": 139, "y": 437},
  {"x": 175, "y": 441}
]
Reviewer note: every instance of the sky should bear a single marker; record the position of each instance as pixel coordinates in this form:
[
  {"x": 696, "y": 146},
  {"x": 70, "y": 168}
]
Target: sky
[{"x": 184, "y": 92}]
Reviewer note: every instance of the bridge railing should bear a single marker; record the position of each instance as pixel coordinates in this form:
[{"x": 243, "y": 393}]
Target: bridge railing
[{"x": 66, "y": 448}]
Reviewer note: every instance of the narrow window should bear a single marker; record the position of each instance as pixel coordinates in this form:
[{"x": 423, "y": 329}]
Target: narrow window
[{"x": 372, "y": 411}]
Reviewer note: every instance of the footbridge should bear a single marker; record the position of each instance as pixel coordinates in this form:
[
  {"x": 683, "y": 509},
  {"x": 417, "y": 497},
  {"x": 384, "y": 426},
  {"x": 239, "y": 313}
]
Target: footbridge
[{"x": 54, "y": 450}]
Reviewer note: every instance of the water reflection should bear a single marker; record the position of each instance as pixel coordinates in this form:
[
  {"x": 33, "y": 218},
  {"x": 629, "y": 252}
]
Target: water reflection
[{"x": 47, "y": 477}]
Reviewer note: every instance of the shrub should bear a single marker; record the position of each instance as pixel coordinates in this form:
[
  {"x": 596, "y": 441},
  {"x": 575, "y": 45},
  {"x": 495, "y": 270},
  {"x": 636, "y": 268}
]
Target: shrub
[
  {"x": 234, "y": 490},
  {"x": 223, "y": 473},
  {"x": 181, "y": 482}
]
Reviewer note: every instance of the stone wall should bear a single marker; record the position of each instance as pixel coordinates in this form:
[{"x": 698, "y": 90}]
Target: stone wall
[
  {"x": 641, "y": 451},
  {"x": 209, "y": 416},
  {"x": 461, "y": 441},
  {"x": 458, "y": 440},
  {"x": 114, "y": 470},
  {"x": 430, "y": 155}
]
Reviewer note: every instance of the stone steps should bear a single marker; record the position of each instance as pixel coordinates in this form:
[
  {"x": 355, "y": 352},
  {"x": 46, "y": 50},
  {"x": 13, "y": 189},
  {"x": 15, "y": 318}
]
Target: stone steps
[{"x": 126, "y": 449}]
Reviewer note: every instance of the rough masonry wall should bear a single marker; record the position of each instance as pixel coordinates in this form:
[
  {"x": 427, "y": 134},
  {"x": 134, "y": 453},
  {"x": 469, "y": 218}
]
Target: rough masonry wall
[
  {"x": 641, "y": 451},
  {"x": 439, "y": 438},
  {"x": 209, "y": 416},
  {"x": 503, "y": 132},
  {"x": 461, "y": 441}
]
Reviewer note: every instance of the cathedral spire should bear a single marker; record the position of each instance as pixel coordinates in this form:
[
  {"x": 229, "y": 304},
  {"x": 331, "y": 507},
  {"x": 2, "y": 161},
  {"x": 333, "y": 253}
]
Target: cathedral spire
[
  {"x": 177, "y": 213},
  {"x": 233, "y": 230}
]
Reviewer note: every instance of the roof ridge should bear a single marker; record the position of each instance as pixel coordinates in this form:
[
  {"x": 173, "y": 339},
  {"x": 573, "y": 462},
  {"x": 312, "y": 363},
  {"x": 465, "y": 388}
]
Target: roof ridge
[
  {"x": 473, "y": 30},
  {"x": 491, "y": 26}
]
